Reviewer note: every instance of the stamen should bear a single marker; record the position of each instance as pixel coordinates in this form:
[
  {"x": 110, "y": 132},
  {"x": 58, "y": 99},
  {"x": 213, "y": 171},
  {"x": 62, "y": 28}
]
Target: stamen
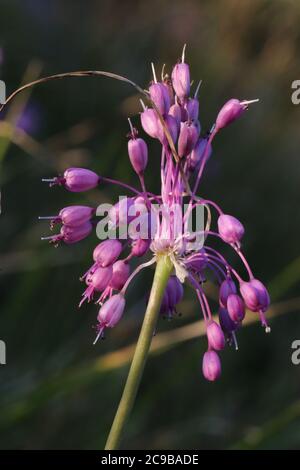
[
  {"x": 163, "y": 72},
  {"x": 48, "y": 217},
  {"x": 197, "y": 89},
  {"x": 183, "y": 53},
  {"x": 154, "y": 73},
  {"x": 143, "y": 105},
  {"x": 99, "y": 335},
  {"x": 48, "y": 180},
  {"x": 247, "y": 102}
]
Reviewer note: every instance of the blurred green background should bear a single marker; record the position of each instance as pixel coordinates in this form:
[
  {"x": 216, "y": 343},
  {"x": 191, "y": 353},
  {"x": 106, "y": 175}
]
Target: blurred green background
[{"x": 57, "y": 391}]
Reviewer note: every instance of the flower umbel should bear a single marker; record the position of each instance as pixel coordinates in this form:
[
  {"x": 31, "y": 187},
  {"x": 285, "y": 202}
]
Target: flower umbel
[{"x": 171, "y": 117}]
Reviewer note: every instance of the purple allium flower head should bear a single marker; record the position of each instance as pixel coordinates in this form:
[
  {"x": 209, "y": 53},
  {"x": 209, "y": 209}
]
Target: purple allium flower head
[
  {"x": 231, "y": 111},
  {"x": 211, "y": 366},
  {"x": 230, "y": 229},
  {"x": 107, "y": 252},
  {"x": 138, "y": 154},
  {"x": 188, "y": 137},
  {"x": 158, "y": 224},
  {"x": 160, "y": 96},
  {"x": 215, "y": 336},
  {"x": 76, "y": 180},
  {"x": 235, "y": 308}
]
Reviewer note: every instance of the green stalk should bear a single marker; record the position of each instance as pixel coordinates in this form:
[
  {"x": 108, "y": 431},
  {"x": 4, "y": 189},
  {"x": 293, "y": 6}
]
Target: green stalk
[{"x": 161, "y": 276}]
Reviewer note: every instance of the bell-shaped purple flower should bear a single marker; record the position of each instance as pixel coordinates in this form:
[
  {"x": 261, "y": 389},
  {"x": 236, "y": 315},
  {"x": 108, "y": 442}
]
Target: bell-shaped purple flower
[
  {"x": 107, "y": 252},
  {"x": 192, "y": 107},
  {"x": 120, "y": 274},
  {"x": 138, "y": 154},
  {"x": 255, "y": 295},
  {"x": 227, "y": 325},
  {"x": 231, "y": 111},
  {"x": 110, "y": 313},
  {"x": 70, "y": 235},
  {"x": 211, "y": 366},
  {"x": 172, "y": 127},
  {"x": 97, "y": 281},
  {"x": 76, "y": 180},
  {"x": 159, "y": 94},
  {"x": 215, "y": 336},
  {"x": 139, "y": 247},
  {"x": 73, "y": 216},
  {"x": 175, "y": 112},
  {"x": 188, "y": 136},
  {"x": 227, "y": 287},
  {"x": 172, "y": 296},
  {"x": 149, "y": 121},
  {"x": 196, "y": 156},
  {"x": 230, "y": 229},
  {"x": 236, "y": 308},
  {"x": 181, "y": 80},
  {"x": 197, "y": 262}
]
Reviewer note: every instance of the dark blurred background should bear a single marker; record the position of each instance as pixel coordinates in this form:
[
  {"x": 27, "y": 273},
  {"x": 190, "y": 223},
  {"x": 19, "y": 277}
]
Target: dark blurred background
[{"x": 57, "y": 390}]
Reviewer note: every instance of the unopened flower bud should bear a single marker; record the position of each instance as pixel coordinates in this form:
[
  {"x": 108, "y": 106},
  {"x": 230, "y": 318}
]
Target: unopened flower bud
[
  {"x": 215, "y": 336},
  {"x": 211, "y": 366},
  {"x": 74, "y": 216},
  {"x": 149, "y": 121},
  {"x": 70, "y": 235},
  {"x": 107, "y": 252},
  {"x": 138, "y": 154},
  {"x": 188, "y": 136},
  {"x": 159, "y": 94},
  {"x": 76, "y": 180},
  {"x": 231, "y": 111},
  {"x": 197, "y": 154},
  {"x": 139, "y": 247},
  {"x": 192, "y": 107},
  {"x": 172, "y": 127},
  {"x": 110, "y": 313},
  {"x": 120, "y": 274},
  {"x": 181, "y": 80},
  {"x": 227, "y": 325},
  {"x": 230, "y": 229},
  {"x": 175, "y": 112},
  {"x": 236, "y": 308},
  {"x": 227, "y": 287},
  {"x": 255, "y": 295}
]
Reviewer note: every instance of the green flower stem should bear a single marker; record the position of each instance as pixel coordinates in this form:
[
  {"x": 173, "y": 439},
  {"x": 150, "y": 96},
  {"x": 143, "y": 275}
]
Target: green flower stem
[{"x": 162, "y": 273}]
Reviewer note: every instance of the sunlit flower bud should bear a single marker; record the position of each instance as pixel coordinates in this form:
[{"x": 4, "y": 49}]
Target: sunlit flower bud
[
  {"x": 75, "y": 215},
  {"x": 172, "y": 128},
  {"x": 188, "y": 136},
  {"x": 181, "y": 80},
  {"x": 159, "y": 94},
  {"x": 120, "y": 274},
  {"x": 107, "y": 252},
  {"x": 231, "y": 111},
  {"x": 149, "y": 121},
  {"x": 138, "y": 154},
  {"x": 230, "y": 229},
  {"x": 235, "y": 308},
  {"x": 215, "y": 336},
  {"x": 227, "y": 287},
  {"x": 211, "y": 366},
  {"x": 175, "y": 112}
]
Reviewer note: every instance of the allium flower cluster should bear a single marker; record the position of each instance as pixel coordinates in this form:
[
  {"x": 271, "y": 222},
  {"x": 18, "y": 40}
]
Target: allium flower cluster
[{"x": 172, "y": 119}]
